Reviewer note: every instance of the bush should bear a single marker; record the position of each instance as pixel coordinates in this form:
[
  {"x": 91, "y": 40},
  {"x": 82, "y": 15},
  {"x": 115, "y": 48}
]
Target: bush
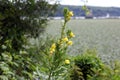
[
  {"x": 16, "y": 66},
  {"x": 19, "y": 20},
  {"x": 88, "y": 66},
  {"x": 85, "y": 64},
  {"x": 22, "y": 19}
]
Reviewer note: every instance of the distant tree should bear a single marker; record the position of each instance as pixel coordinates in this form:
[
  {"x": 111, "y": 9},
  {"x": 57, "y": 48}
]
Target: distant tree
[{"x": 20, "y": 18}]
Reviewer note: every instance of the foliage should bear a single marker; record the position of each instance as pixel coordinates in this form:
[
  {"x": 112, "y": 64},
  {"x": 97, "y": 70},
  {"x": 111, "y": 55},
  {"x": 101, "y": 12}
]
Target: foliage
[
  {"x": 89, "y": 67},
  {"x": 48, "y": 60},
  {"x": 16, "y": 66},
  {"x": 85, "y": 65},
  {"x": 54, "y": 61},
  {"x": 108, "y": 73},
  {"x": 19, "y": 19}
]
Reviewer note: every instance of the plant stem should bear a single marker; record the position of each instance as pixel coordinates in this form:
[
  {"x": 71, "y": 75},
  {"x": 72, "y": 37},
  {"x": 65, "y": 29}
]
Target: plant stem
[
  {"x": 50, "y": 72},
  {"x": 63, "y": 29},
  {"x": 49, "y": 76}
]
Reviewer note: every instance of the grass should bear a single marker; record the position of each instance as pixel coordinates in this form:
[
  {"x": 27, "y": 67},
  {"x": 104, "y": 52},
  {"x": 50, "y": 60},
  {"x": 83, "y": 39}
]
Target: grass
[{"x": 101, "y": 34}]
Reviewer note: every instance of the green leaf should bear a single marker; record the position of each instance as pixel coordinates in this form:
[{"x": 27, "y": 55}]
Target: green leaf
[{"x": 3, "y": 77}]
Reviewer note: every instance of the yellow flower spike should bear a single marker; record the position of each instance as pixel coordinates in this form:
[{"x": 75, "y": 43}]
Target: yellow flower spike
[
  {"x": 72, "y": 34},
  {"x": 51, "y": 52},
  {"x": 67, "y": 61},
  {"x": 65, "y": 39},
  {"x": 69, "y": 43},
  {"x": 53, "y": 46},
  {"x": 68, "y": 18},
  {"x": 70, "y": 13},
  {"x": 52, "y": 49}
]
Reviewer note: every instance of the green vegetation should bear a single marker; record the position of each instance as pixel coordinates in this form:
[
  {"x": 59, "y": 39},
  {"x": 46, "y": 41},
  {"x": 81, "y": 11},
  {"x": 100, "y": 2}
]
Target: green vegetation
[
  {"x": 48, "y": 58},
  {"x": 55, "y": 62},
  {"x": 19, "y": 21},
  {"x": 85, "y": 64},
  {"x": 22, "y": 18},
  {"x": 88, "y": 66}
]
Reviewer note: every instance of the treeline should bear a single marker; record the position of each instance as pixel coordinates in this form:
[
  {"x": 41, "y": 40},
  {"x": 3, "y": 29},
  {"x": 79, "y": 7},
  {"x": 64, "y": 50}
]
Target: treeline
[{"x": 96, "y": 11}]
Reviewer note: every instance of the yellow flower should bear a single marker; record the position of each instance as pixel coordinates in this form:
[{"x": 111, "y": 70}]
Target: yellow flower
[
  {"x": 53, "y": 46},
  {"x": 72, "y": 34},
  {"x": 68, "y": 18},
  {"x": 51, "y": 52},
  {"x": 69, "y": 43},
  {"x": 65, "y": 39},
  {"x": 52, "y": 49},
  {"x": 67, "y": 61},
  {"x": 70, "y": 13}
]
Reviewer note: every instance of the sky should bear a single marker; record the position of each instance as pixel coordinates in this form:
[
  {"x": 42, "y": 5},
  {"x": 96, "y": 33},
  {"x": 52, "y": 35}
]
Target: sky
[{"x": 102, "y": 3}]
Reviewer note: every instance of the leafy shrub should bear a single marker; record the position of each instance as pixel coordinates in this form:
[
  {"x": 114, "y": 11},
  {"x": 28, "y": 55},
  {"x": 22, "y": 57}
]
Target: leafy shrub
[
  {"x": 85, "y": 64},
  {"x": 88, "y": 66},
  {"x": 19, "y": 20},
  {"x": 16, "y": 66},
  {"x": 108, "y": 73}
]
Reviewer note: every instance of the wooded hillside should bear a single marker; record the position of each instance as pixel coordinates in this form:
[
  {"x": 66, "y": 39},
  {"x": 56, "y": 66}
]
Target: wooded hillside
[{"x": 96, "y": 11}]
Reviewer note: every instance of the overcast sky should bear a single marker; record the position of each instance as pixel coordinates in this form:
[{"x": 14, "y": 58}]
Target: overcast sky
[{"x": 103, "y": 3}]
